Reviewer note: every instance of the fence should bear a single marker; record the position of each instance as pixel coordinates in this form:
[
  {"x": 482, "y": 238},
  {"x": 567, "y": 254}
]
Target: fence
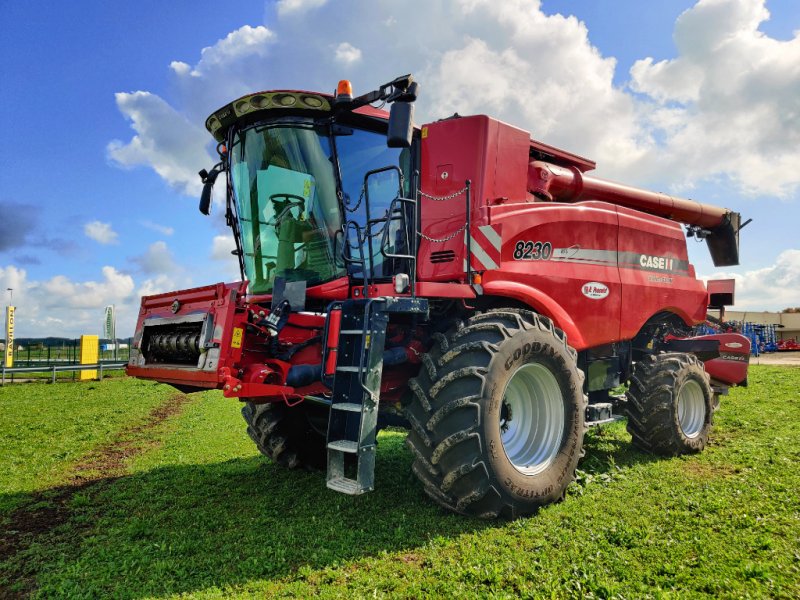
[
  {"x": 67, "y": 352},
  {"x": 55, "y": 369}
]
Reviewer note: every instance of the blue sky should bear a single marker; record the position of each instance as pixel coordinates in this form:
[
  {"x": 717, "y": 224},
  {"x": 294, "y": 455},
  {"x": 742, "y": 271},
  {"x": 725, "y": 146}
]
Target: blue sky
[{"x": 104, "y": 104}]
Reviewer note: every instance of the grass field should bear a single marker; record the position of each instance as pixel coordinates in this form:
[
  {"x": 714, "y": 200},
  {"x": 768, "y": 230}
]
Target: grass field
[{"x": 124, "y": 489}]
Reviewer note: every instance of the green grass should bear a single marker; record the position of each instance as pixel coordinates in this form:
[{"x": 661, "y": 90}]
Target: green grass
[
  {"x": 45, "y": 430},
  {"x": 202, "y": 514}
]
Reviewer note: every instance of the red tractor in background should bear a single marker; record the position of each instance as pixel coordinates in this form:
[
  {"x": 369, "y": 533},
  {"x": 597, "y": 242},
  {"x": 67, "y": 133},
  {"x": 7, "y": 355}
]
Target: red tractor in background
[{"x": 459, "y": 279}]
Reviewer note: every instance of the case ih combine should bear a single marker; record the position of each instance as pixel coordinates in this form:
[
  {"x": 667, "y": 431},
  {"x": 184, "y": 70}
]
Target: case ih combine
[{"x": 460, "y": 279}]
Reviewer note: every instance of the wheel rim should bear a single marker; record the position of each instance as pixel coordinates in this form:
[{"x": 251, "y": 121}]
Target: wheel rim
[
  {"x": 532, "y": 419},
  {"x": 691, "y": 409}
]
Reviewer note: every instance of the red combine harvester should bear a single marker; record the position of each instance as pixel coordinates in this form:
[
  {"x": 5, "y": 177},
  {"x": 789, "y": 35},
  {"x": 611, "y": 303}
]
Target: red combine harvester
[{"x": 459, "y": 279}]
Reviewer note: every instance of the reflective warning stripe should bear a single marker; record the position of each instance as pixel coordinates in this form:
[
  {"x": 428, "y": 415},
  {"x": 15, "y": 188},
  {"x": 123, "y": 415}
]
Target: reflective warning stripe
[
  {"x": 492, "y": 235},
  {"x": 485, "y": 247}
]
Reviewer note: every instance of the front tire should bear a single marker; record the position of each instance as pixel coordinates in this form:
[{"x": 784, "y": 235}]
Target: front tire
[
  {"x": 670, "y": 404},
  {"x": 497, "y": 415},
  {"x": 286, "y": 435}
]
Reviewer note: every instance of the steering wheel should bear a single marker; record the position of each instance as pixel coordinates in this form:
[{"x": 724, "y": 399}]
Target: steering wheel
[{"x": 291, "y": 200}]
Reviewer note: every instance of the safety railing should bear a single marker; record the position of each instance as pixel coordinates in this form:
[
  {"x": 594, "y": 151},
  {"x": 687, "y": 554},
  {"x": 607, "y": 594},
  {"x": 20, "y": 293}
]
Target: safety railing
[{"x": 55, "y": 369}]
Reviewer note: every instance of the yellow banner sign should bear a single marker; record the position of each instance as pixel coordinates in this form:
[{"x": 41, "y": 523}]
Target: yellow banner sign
[
  {"x": 9, "y": 356},
  {"x": 89, "y": 355}
]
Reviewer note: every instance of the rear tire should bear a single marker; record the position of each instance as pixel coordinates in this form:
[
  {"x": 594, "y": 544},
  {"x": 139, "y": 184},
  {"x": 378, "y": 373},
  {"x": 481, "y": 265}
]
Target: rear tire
[
  {"x": 670, "y": 404},
  {"x": 285, "y": 434},
  {"x": 497, "y": 415}
]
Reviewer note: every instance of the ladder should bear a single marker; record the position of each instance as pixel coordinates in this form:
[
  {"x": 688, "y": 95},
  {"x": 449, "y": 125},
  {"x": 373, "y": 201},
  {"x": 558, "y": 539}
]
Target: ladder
[{"x": 353, "y": 418}]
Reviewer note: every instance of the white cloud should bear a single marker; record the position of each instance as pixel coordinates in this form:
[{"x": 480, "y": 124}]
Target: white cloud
[
  {"x": 286, "y": 7},
  {"x": 729, "y": 103},
  {"x": 63, "y": 307},
  {"x": 772, "y": 288},
  {"x": 159, "y": 284},
  {"x": 162, "y": 229},
  {"x": 237, "y": 64},
  {"x": 101, "y": 232},
  {"x": 165, "y": 140},
  {"x": 347, "y": 54},
  {"x": 727, "y": 107},
  {"x": 221, "y": 248},
  {"x": 242, "y": 43},
  {"x": 61, "y": 291},
  {"x": 157, "y": 259}
]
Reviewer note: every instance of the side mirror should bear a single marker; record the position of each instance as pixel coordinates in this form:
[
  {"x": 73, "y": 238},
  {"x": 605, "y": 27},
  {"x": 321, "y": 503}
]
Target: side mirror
[
  {"x": 205, "y": 199},
  {"x": 208, "y": 180},
  {"x": 401, "y": 125}
]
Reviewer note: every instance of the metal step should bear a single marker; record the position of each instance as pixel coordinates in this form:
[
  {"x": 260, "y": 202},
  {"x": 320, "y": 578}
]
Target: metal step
[
  {"x": 347, "y": 369},
  {"x": 351, "y": 332},
  {"x": 350, "y": 406},
  {"x": 344, "y": 446},
  {"x": 347, "y": 486}
]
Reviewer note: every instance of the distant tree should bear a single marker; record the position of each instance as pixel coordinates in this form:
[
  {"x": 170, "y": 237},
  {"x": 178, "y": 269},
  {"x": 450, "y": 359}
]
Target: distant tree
[{"x": 796, "y": 309}]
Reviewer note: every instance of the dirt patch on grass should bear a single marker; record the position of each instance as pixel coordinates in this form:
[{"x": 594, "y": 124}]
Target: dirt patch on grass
[
  {"x": 48, "y": 510},
  {"x": 787, "y": 359},
  {"x": 699, "y": 470}
]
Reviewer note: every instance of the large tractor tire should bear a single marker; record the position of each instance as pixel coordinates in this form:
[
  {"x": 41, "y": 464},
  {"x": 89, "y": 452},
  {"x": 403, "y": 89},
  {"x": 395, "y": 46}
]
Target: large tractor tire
[
  {"x": 670, "y": 404},
  {"x": 497, "y": 415},
  {"x": 286, "y": 435}
]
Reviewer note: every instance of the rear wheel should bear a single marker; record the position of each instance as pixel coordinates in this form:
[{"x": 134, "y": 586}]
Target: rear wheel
[
  {"x": 670, "y": 404},
  {"x": 497, "y": 415},
  {"x": 291, "y": 436}
]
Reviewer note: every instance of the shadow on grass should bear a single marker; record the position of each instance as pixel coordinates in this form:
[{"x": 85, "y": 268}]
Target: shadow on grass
[
  {"x": 609, "y": 446},
  {"x": 183, "y": 528}
]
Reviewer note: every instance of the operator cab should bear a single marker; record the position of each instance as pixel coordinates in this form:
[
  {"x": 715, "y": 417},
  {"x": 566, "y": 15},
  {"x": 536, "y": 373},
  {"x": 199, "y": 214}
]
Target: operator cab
[{"x": 313, "y": 182}]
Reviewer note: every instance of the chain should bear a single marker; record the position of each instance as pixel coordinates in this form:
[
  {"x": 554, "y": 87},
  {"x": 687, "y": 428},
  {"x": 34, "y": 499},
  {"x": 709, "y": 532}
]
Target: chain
[
  {"x": 445, "y": 239},
  {"x": 443, "y": 198},
  {"x": 360, "y": 200}
]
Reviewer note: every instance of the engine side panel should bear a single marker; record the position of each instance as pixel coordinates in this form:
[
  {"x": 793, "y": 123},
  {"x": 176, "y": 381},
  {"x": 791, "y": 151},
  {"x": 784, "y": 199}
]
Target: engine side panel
[
  {"x": 568, "y": 252},
  {"x": 608, "y": 268},
  {"x": 655, "y": 272}
]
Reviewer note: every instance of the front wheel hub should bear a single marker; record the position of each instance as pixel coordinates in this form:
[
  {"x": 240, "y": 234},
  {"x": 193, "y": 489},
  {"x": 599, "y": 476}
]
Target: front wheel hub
[{"x": 532, "y": 419}]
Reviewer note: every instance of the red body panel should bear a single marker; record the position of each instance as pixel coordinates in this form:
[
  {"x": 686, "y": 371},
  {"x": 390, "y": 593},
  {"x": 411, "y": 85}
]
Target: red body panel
[
  {"x": 218, "y": 304},
  {"x": 609, "y": 268},
  {"x": 734, "y": 358}
]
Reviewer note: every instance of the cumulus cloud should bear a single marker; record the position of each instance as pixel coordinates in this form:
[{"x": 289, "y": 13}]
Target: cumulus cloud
[
  {"x": 157, "y": 259},
  {"x": 157, "y": 227},
  {"x": 62, "y": 291},
  {"x": 165, "y": 140},
  {"x": 770, "y": 288},
  {"x": 729, "y": 103},
  {"x": 676, "y": 122},
  {"x": 63, "y": 307},
  {"x": 238, "y": 64},
  {"x": 221, "y": 248},
  {"x": 286, "y": 7},
  {"x": 347, "y": 54},
  {"x": 100, "y": 232},
  {"x": 160, "y": 284}
]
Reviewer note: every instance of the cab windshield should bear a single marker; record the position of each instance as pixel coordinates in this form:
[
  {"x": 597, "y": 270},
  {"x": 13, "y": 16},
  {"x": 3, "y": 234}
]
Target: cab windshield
[{"x": 284, "y": 190}]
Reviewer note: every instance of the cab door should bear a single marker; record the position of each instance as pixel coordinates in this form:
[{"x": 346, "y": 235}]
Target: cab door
[{"x": 367, "y": 200}]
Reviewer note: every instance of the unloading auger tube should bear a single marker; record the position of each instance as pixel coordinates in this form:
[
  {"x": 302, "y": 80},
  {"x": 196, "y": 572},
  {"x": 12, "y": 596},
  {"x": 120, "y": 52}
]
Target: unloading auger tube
[{"x": 718, "y": 226}]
